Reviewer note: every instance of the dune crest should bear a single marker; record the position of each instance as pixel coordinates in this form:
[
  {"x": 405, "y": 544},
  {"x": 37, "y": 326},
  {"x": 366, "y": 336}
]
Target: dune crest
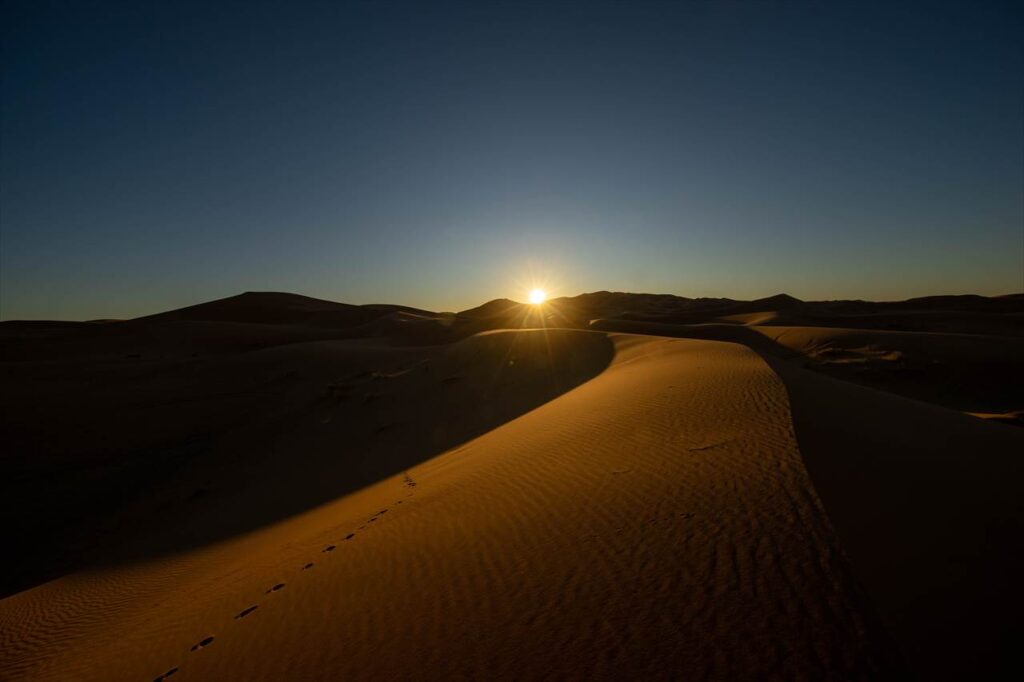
[
  {"x": 656, "y": 518},
  {"x": 926, "y": 500},
  {"x": 271, "y": 486}
]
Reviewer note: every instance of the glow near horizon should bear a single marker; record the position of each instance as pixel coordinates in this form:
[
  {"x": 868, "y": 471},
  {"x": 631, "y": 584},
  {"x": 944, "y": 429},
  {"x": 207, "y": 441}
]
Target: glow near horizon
[{"x": 427, "y": 157}]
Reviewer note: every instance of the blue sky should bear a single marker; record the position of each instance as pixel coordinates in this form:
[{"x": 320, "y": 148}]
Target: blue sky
[{"x": 439, "y": 155}]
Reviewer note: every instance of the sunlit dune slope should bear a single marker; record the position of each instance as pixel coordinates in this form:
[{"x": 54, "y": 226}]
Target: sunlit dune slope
[
  {"x": 135, "y": 457},
  {"x": 517, "y": 506},
  {"x": 655, "y": 522},
  {"x": 927, "y": 501}
]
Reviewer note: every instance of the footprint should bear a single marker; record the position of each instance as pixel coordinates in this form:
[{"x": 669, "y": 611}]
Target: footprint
[
  {"x": 246, "y": 612},
  {"x": 308, "y": 566},
  {"x": 328, "y": 548},
  {"x": 275, "y": 588},
  {"x": 712, "y": 446},
  {"x": 204, "y": 643},
  {"x": 350, "y": 536},
  {"x": 167, "y": 674}
]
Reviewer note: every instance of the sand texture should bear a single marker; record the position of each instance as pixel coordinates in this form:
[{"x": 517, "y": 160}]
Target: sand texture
[{"x": 318, "y": 492}]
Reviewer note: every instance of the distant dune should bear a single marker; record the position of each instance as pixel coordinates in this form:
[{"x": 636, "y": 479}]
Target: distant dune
[{"x": 609, "y": 486}]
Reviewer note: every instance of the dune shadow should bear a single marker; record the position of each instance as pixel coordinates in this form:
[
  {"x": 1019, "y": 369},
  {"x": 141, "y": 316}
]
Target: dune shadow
[
  {"x": 925, "y": 500},
  {"x": 207, "y": 449}
]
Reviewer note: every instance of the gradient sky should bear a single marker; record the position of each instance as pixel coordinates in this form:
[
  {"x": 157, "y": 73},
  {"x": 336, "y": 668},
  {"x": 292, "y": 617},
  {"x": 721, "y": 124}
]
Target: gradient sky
[{"x": 156, "y": 155}]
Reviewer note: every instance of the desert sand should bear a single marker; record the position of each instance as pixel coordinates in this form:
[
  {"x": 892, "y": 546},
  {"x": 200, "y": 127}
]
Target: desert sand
[{"x": 614, "y": 486}]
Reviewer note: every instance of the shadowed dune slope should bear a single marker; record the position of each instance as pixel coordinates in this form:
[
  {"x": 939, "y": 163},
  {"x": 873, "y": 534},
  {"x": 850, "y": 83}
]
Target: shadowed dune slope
[
  {"x": 276, "y": 487},
  {"x": 967, "y": 372},
  {"x": 999, "y": 315},
  {"x": 131, "y": 458},
  {"x": 656, "y": 522},
  {"x": 927, "y": 502},
  {"x": 972, "y": 373}
]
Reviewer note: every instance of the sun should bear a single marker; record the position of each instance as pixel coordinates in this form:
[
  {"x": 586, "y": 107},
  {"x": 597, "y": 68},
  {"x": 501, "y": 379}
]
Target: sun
[{"x": 537, "y": 296}]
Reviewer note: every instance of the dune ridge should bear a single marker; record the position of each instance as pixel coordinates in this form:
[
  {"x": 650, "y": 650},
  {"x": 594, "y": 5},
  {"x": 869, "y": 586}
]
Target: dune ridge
[
  {"x": 926, "y": 501},
  {"x": 158, "y": 455},
  {"x": 569, "y": 543},
  {"x": 270, "y": 485}
]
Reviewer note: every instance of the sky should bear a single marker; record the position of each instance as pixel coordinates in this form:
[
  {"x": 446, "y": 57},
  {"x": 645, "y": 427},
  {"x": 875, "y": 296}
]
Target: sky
[{"x": 155, "y": 155}]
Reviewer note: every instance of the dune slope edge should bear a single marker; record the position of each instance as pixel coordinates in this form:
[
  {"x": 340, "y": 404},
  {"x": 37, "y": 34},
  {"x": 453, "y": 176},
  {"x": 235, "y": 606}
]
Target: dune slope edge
[{"x": 926, "y": 501}]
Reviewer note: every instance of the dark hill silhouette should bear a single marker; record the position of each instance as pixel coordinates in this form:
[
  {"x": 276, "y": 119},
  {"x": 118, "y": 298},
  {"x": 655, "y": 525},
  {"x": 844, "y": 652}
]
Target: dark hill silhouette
[
  {"x": 271, "y": 307},
  {"x": 254, "y": 320},
  {"x": 498, "y": 306},
  {"x": 770, "y": 303},
  {"x": 390, "y": 308}
]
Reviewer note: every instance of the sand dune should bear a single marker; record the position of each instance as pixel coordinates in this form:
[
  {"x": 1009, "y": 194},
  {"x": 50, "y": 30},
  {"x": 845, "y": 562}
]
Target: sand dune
[
  {"x": 966, "y": 372},
  {"x": 997, "y": 315},
  {"x": 971, "y": 373},
  {"x": 153, "y": 449},
  {"x": 926, "y": 500},
  {"x": 656, "y": 521},
  {"x": 319, "y": 492}
]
